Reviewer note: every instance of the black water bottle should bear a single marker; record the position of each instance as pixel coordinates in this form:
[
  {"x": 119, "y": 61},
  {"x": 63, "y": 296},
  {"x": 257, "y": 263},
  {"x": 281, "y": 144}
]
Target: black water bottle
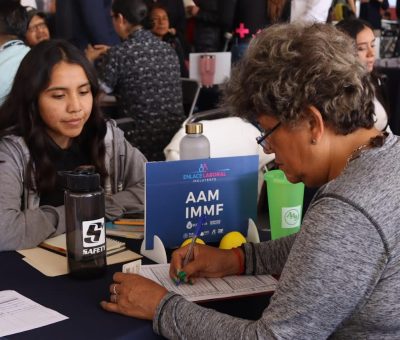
[{"x": 85, "y": 228}]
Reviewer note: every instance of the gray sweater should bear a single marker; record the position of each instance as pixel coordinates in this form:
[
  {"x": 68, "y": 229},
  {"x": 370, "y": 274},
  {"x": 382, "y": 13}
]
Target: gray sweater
[
  {"x": 20, "y": 229},
  {"x": 340, "y": 276}
]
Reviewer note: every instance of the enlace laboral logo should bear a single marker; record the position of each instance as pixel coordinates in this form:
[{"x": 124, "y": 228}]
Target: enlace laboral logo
[{"x": 203, "y": 174}]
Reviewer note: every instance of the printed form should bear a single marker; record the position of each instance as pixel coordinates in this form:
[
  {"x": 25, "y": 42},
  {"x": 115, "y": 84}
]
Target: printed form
[
  {"x": 19, "y": 314},
  {"x": 211, "y": 288}
]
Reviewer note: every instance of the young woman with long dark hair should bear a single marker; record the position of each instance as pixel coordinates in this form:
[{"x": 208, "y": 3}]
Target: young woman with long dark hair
[{"x": 51, "y": 122}]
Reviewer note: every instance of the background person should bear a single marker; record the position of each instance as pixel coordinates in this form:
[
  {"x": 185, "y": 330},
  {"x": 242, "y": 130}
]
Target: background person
[
  {"x": 176, "y": 14},
  {"x": 209, "y": 24},
  {"x": 37, "y": 30},
  {"x": 370, "y": 11},
  {"x": 143, "y": 73},
  {"x": 85, "y": 22},
  {"x": 339, "y": 275},
  {"x": 51, "y": 122},
  {"x": 13, "y": 24},
  {"x": 159, "y": 25},
  {"x": 363, "y": 35},
  {"x": 247, "y": 20}
]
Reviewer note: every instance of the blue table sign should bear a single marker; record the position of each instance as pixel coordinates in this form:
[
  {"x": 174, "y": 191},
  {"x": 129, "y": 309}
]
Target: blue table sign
[{"x": 179, "y": 192}]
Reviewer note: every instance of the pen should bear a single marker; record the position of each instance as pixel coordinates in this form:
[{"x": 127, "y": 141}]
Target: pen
[{"x": 195, "y": 235}]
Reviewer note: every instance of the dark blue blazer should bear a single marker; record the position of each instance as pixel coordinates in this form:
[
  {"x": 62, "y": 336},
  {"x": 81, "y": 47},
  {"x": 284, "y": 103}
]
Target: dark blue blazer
[{"x": 84, "y": 22}]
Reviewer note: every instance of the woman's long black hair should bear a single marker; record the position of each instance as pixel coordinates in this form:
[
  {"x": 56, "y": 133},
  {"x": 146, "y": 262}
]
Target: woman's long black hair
[{"x": 20, "y": 113}]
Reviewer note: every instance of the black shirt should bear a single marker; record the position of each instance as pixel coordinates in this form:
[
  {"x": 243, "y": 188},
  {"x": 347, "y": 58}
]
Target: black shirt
[{"x": 64, "y": 160}]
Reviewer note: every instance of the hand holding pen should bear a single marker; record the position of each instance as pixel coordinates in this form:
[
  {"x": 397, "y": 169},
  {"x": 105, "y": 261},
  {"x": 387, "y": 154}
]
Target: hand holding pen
[
  {"x": 205, "y": 261},
  {"x": 181, "y": 275}
]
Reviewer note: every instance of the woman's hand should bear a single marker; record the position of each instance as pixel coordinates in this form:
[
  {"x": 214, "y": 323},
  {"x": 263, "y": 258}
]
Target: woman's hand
[
  {"x": 134, "y": 295},
  {"x": 206, "y": 262},
  {"x": 95, "y": 51}
]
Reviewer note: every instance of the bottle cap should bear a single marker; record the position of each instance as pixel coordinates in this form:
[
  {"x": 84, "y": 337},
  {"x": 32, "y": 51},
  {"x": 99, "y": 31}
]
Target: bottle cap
[
  {"x": 194, "y": 128},
  {"x": 82, "y": 179}
]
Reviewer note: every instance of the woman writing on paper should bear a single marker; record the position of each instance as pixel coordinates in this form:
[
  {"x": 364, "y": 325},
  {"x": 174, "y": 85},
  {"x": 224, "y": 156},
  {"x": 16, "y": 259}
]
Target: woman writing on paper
[
  {"x": 339, "y": 276},
  {"x": 51, "y": 122}
]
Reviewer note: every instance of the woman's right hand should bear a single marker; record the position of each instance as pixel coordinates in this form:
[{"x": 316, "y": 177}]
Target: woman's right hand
[{"x": 206, "y": 262}]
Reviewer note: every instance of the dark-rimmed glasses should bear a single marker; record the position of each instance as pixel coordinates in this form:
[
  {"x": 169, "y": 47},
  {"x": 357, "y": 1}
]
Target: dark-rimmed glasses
[
  {"x": 38, "y": 27},
  {"x": 262, "y": 140}
]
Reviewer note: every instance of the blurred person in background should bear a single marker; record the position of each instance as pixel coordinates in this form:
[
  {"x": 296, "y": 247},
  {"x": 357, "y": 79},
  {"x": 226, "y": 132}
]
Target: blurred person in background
[
  {"x": 370, "y": 11},
  {"x": 85, "y": 22},
  {"x": 159, "y": 23},
  {"x": 209, "y": 24},
  {"x": 13, "y": 24},
  {"x": 364, "y": 38},
  {"x": 37, "y": 30},
  {"x": 143, "y": 73},
  {"x": 247, "y": 20},
  {"x": 176, "y": 14}
]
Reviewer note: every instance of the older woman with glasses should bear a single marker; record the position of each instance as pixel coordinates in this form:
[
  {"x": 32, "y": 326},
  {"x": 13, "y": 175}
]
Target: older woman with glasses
[{"x": 339, "y": 276}]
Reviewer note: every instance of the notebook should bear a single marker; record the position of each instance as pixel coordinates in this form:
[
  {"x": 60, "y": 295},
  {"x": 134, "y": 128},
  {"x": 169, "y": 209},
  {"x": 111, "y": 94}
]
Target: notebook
[
  {"x": 59, "y": 245},
  {"x": 125, "y": 230}
]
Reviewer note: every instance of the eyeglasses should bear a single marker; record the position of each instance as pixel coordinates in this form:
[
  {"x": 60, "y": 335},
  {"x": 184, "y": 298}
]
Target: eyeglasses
[
  {"x": 262, "y": 140},
  {"x": 38, "y": 27}
]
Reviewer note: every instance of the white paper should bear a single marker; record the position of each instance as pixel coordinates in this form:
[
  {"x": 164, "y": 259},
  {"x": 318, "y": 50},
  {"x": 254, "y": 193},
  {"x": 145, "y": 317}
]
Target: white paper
[
  {"x": 210, "y": 289},
  {"x": 19, "y": 314}
]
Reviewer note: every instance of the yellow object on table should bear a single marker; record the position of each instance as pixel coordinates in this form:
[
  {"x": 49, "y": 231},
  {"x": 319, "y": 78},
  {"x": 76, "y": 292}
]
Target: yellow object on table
[
  {"x": 231, "y": 240},
  {"x": 187, "y": 241}
]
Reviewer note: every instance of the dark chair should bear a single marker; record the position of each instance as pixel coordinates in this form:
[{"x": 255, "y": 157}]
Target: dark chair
[
  {"x": 190, "y": 93},
  {"x": 126, "y": 124}
]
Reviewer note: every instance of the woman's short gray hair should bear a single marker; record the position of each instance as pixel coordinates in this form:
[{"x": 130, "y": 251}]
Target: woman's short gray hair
[{"x": 289, "y": 67}]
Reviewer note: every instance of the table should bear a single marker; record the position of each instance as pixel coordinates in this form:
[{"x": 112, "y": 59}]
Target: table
[{"x": 79, "y": 300}]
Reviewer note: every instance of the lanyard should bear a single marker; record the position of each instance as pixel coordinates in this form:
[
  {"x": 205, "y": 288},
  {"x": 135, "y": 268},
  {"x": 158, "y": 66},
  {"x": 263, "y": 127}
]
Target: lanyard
[{"x": 11, "y": 43}]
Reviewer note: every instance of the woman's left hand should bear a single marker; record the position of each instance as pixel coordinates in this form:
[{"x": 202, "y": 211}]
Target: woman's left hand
[{"x": 134, "y": 295}]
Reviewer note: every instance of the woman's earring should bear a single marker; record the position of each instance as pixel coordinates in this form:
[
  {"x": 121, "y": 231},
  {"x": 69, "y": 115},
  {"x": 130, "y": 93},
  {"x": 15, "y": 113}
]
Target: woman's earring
[{"x": 313, "y": 141}]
